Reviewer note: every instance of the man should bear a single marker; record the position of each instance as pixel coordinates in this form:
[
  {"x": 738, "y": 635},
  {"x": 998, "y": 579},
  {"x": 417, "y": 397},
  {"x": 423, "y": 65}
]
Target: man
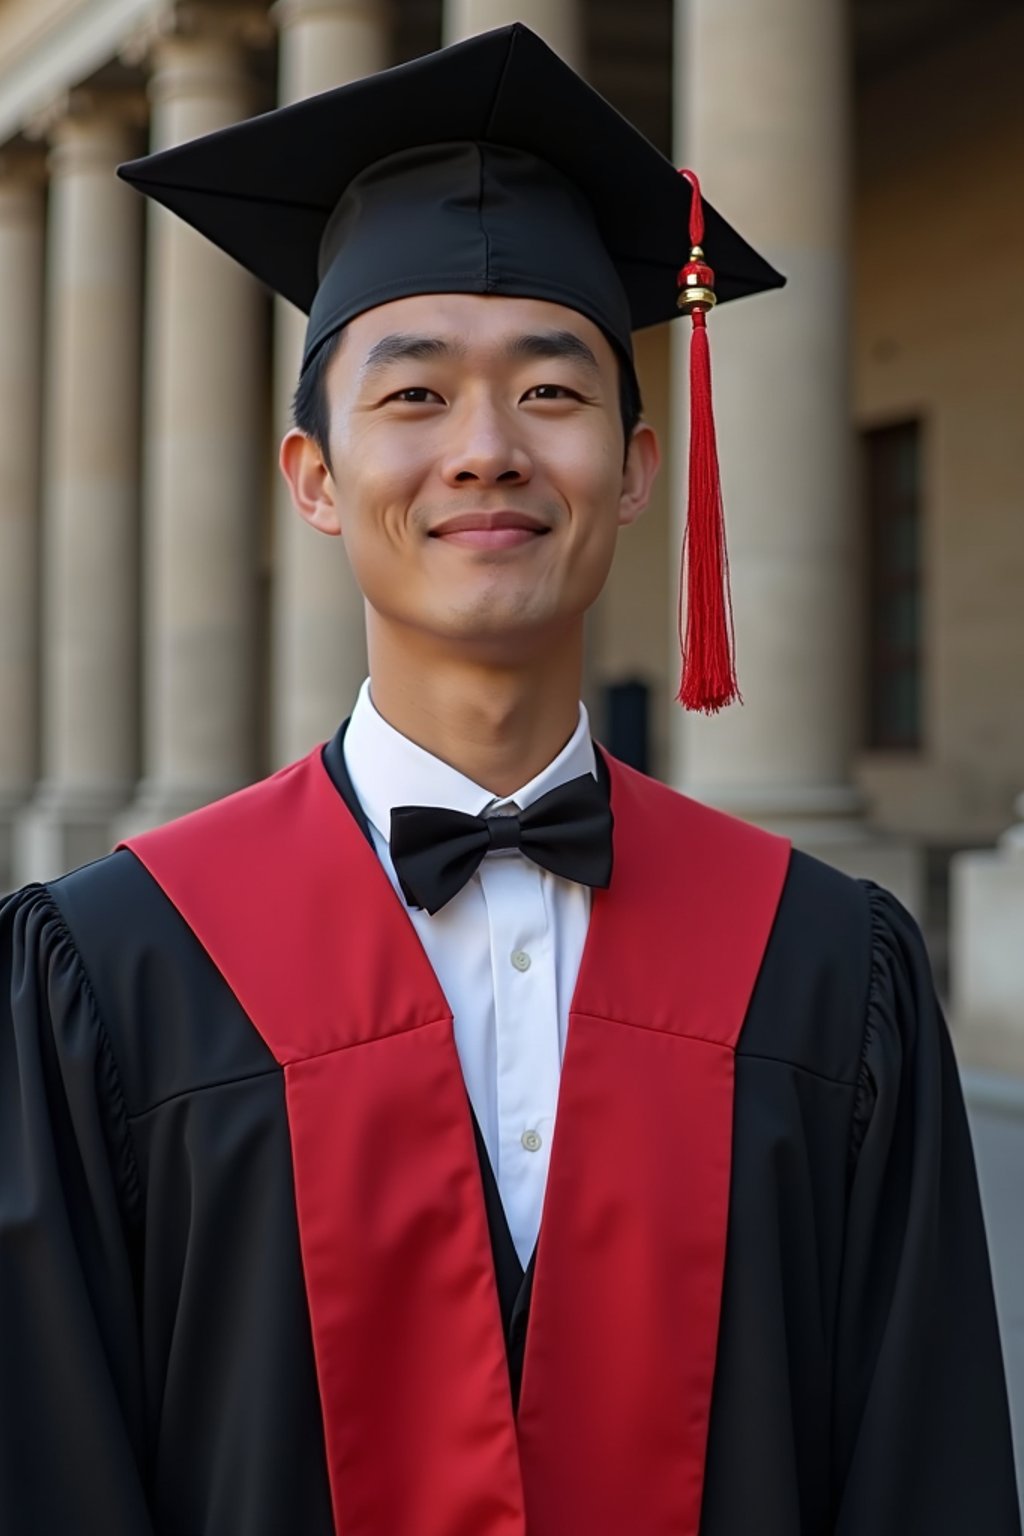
[{"x": 288, "y": 1085}]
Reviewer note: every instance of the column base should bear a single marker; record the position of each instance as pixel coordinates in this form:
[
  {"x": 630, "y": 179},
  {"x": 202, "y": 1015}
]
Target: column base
[
  {"x": 62, "y": 828},
  {"x": 826, "y": 820},
  {"x": 783, "y": 808},
  {"x": 156, "y": 803},
  {"x": 12, "y": 806},
  {"x": 894, "y": 863},
  {"x": 987, "y": 911}
]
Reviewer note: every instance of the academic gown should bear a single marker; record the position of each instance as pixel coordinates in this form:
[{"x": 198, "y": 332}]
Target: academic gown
[{"x": 158, "y": 1365}]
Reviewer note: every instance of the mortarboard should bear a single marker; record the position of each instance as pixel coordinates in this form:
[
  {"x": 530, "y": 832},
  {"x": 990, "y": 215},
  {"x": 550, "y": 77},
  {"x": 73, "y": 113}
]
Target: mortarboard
[{"x": 487, "y": 167}]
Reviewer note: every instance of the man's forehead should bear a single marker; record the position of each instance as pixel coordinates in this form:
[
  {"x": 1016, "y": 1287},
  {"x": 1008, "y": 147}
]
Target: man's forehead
[{"x": 464, "y": 326}]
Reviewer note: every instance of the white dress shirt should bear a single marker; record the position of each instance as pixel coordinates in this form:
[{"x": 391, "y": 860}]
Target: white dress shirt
[{"x": 506, "y": 950}]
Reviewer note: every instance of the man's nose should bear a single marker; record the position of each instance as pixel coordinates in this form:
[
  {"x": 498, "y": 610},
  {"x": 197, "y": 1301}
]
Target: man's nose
[{"x": 487, "y": 449}]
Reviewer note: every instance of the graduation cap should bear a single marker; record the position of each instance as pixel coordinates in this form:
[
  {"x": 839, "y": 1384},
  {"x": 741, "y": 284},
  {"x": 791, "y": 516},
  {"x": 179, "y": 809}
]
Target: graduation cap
[{"x": 487, "y": 167}]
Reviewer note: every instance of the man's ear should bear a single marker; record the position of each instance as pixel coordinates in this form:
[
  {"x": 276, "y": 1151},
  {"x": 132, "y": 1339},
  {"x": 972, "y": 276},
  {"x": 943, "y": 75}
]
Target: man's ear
[
  {"x": 310, "y": 482},
  {"x": 642, "y": 460}
]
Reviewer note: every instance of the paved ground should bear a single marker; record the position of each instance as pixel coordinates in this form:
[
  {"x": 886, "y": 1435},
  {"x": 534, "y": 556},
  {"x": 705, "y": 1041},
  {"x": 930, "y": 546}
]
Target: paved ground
[{"x": 996, "y": 1108}]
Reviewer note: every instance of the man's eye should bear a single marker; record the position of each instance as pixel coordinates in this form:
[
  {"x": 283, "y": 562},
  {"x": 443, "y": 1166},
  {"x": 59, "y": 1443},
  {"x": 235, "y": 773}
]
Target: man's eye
[
  {"x": 418, "y": 396},
  {"x": 551, "y": 392}
]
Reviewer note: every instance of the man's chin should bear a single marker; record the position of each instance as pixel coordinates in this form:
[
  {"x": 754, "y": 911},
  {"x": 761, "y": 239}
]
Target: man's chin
[{"x": 510, "y": 636}]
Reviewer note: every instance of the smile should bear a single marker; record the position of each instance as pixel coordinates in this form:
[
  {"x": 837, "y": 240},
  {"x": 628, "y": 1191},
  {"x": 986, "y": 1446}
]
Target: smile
[
  {"x": 505, "y": 528},
  {"x": 490, "y": 538}
]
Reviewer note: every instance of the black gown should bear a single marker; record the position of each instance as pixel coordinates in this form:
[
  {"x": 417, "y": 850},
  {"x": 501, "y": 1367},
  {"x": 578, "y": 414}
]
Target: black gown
[{"x": 156, "y": 1360}]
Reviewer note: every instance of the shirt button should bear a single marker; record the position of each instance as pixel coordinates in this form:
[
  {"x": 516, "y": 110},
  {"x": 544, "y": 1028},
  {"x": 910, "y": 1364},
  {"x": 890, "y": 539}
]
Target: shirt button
[
  {"x": 521, "y": 960},
  {"x": 531, "y": 1141}
]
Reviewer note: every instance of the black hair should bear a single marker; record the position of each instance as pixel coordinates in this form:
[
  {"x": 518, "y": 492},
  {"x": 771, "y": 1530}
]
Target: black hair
[
  {"x": 310, "y": 410},
  {"x": 309, "y": 403}
]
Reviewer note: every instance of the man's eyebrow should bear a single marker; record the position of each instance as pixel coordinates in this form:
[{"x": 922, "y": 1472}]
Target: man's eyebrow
[
  {"x": 547, "y": 345},
  {"x": 407, "y": 347}
]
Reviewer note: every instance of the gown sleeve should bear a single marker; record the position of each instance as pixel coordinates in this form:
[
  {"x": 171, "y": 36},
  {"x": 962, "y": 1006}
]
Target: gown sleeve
[
  {"x": 71, "y": 1398},
  {"x": 923, "y": 1445}
]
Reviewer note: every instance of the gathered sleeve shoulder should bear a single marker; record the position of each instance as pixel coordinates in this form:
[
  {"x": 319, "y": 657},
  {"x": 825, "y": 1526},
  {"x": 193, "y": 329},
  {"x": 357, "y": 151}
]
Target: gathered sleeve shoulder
[
  {"x": 71, "y": 1401},
  {"x": 922, "y": 1436},
  {"x": 900, "y": 997}
]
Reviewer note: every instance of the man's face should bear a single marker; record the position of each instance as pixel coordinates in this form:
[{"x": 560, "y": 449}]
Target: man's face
[{"x": 477, "y": 471}]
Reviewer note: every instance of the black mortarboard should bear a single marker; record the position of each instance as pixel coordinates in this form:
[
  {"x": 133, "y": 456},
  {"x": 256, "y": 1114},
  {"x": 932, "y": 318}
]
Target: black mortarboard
[{"x": 487, "y": 167}]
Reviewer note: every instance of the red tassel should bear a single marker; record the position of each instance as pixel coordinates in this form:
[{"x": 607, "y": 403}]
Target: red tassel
[{"x": 708, "y": 646}]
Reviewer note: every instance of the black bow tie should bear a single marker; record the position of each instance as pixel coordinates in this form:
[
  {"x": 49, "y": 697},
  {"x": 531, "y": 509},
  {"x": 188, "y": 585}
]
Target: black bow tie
[{"x": 568, "y": 831}]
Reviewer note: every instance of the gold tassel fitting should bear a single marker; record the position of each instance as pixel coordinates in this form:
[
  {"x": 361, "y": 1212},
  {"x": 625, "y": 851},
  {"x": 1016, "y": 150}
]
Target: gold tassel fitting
[{"x": 696, "y": 284}]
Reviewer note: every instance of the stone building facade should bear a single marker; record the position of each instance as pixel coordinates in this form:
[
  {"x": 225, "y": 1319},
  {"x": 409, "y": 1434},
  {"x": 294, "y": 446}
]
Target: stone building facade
[{"x": 170, "y": 630}]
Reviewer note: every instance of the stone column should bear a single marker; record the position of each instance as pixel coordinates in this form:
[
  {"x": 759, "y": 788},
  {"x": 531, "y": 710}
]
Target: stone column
[
  {"x": 22, "y": 176},
  {"x": 763, "y": 118},
  {"x": 318, "y": 640},
  {"x": 205, "y": 449},
  {"x": 90, "y": 485},
  {"x": 558, "y": 22}
]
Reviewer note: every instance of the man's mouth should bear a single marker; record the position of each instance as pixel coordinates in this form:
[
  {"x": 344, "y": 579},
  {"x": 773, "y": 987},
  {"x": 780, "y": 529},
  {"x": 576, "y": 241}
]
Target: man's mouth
[{"x": 490, "y": 530}]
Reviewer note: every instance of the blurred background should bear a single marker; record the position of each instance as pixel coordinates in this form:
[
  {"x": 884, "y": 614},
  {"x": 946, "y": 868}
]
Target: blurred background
[{"x": 169, "y": 630}]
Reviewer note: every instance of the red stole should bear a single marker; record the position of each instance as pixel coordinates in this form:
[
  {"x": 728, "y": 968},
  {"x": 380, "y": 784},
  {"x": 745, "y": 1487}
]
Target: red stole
[{"x": 290, "y": 902}]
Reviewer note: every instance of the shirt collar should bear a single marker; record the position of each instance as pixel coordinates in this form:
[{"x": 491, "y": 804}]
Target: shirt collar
[{"x": 387, "y": 769}]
